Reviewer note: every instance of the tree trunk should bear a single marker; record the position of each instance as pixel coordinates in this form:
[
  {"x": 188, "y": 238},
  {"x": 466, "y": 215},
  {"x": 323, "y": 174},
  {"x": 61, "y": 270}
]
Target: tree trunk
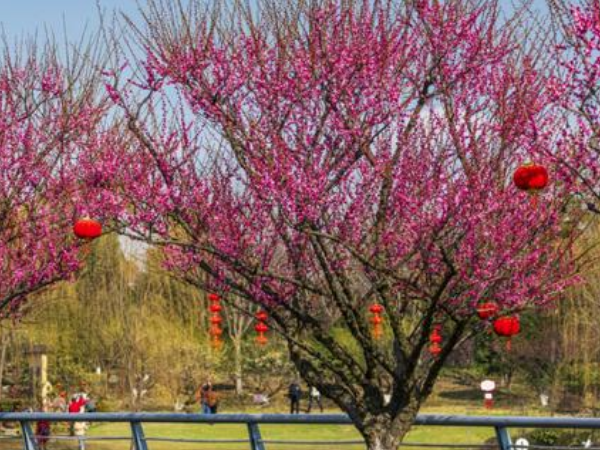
[
  {"x": 382, "y": 434},
  {"x": 239, "y": 386},
  {"x": 3, "y": 357}
]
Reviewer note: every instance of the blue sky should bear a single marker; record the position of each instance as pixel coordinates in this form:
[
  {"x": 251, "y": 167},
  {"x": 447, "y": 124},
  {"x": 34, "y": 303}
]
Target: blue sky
[
  {"x": 20, "y": 17},
  {"x": 24, "y": 17}
]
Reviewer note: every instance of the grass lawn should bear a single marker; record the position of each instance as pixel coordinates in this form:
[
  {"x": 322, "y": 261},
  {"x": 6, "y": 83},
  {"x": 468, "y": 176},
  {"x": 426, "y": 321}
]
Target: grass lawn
[
  {"x": 460, "y": 404},
  {"x": 322, "y": 433},
  {"x": 269, "y": 432}
]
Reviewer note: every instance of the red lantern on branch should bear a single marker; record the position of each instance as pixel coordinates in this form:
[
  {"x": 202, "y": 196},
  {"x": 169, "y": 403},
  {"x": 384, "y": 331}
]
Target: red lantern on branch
[
  {"x": 261, "y": 327},
  {"x": 435, "y": 350},
  {"x": 507, "y": 326},
  {"x": 215, "y": 308},
  {"x": 436, "y": 339},
  {"x": 531, "y": 178},
  {"x": 215, "y": 329},
  {"x": 87, "y": 228},
  {"x": 261, "y": 316},
  {"x": 487, "y": 310},
  {"x": 376, "y": 331}
]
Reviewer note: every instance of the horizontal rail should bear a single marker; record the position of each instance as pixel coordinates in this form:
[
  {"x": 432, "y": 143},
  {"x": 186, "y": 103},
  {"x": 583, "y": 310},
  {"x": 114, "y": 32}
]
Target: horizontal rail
[
  {"x": 501, "y": 425},
  {"x": 308, "y": 419}
]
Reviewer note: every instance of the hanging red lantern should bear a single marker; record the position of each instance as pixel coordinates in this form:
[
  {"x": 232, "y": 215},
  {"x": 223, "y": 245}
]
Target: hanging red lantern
[
  {"x": 487, "y": 310},
  {"x": 435, "y": 349},
  {"x": 87, "y": 228},
  {"x": 376, "y": 320},
  {"x": 215, "y": 329},
  {"x": 436, "y": 337},
  {"x": 531, "y": 177},
  {"x": 215, "y": 308},
  {"x": 261, "y": 316},
  {"x": 507, "y": 326},
  {"x": 376, "y": 308},
  {"x": 376, "y": 331},
  {"x": 261, "y": 328}
]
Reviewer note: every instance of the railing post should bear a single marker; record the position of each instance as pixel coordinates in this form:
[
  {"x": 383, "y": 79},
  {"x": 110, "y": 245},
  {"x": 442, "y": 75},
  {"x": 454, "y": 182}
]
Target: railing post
[
  {"x": 137, "y": 432},
  {"x": 503, "y": 438},
  {"x": 28, "y": 435},
  {"x": 256, "y": 442}
]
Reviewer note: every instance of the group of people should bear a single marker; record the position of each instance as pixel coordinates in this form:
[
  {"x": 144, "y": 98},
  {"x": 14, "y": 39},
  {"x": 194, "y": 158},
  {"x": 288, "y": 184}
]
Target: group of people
[
  {"x": 209, "y": 399},
  {"x": 295, "y": 395},
  {"x": 79, "y": 403}
]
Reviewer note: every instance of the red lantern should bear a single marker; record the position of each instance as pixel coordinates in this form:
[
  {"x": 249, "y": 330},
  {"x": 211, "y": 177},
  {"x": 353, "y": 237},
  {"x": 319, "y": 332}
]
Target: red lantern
[
  {"x": 87, "y": 228},
  {"x": 376, "y": 308},
  {"x": 487, "y": 310},
  {"x": 261, "y": 316},
  {"x": 531, "y": 177},
  {"x": 435, "y": 349},
  {"x": 261, "y": 327},
  {"x": 216, "y": 331},
  {"x": 436, "y": 337},
  {"x": 376, "y": 320},
  {"x": 507, "y": 326}
]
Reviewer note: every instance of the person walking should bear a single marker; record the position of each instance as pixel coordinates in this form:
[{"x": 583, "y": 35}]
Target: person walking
[
  {"x": 314, "y": 396},
  {"x": 42, "y": 431},
  {"x": 212, "y": 400},
  {"x": 294, "y": 394},
  {"x": 202, "y": 397},
  {"x": 77, "y": 406}
]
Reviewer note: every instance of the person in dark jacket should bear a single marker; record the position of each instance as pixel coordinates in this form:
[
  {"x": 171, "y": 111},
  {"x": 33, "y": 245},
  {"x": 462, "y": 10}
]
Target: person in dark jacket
[{"x": 294, "y": 394}]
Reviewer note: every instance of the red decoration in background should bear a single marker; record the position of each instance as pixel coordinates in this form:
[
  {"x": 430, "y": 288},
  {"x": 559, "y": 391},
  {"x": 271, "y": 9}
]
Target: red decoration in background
[
  {"x": 87, "y": 228},
  {"x": 507, "y": 326},
  {"x": 487, "y": 310},
  {"x": 531, "y": 177},
  {"x": 377, "y": 330},
  {"x": 215, "y": 329},
  {"x": 261, "y": 327},
  {"x": 436, "y": 339}
]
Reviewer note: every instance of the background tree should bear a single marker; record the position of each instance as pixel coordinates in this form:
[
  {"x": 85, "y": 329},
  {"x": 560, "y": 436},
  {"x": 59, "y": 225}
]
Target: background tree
[
  {"x": 574, "y": 89},
  {"x": 326, "y": 156},
  {"x": 51, "y": 110}
]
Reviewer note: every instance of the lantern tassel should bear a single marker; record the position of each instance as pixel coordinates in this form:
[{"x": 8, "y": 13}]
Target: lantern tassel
[
  {"x": 508, "y": 344},
  {"x": 534, "y": 200}
]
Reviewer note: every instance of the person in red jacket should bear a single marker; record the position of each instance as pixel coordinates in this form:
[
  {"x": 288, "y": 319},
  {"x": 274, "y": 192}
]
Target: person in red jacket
[{"x": 76, "y": 406}]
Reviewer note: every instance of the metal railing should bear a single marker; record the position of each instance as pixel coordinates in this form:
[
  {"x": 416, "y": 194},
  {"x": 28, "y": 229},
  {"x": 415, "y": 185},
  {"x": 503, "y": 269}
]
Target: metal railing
[{"x": 501, "y": 425}]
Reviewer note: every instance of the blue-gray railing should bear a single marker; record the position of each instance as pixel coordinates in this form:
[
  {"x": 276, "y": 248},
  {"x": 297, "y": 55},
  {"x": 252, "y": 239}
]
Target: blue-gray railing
[{"x": 501, "y": 425}]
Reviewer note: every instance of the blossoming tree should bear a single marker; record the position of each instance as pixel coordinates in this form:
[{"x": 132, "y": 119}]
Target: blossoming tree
[
  {"x": 574, "y": 88},
  {"x": 316, "y": 160},
  {"x": 49, "y": 113}
]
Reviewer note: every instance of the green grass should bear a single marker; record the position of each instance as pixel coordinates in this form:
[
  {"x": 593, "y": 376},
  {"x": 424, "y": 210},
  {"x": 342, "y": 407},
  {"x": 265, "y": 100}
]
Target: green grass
[
  {"x": 429, "y": 435},
  {"x": 269, "y": 432}
]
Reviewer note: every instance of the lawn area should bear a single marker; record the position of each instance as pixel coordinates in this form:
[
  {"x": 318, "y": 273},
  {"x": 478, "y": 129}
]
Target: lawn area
[
  {"x": 320, "y": 433},
  {"x": 459, "y": 404}
]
